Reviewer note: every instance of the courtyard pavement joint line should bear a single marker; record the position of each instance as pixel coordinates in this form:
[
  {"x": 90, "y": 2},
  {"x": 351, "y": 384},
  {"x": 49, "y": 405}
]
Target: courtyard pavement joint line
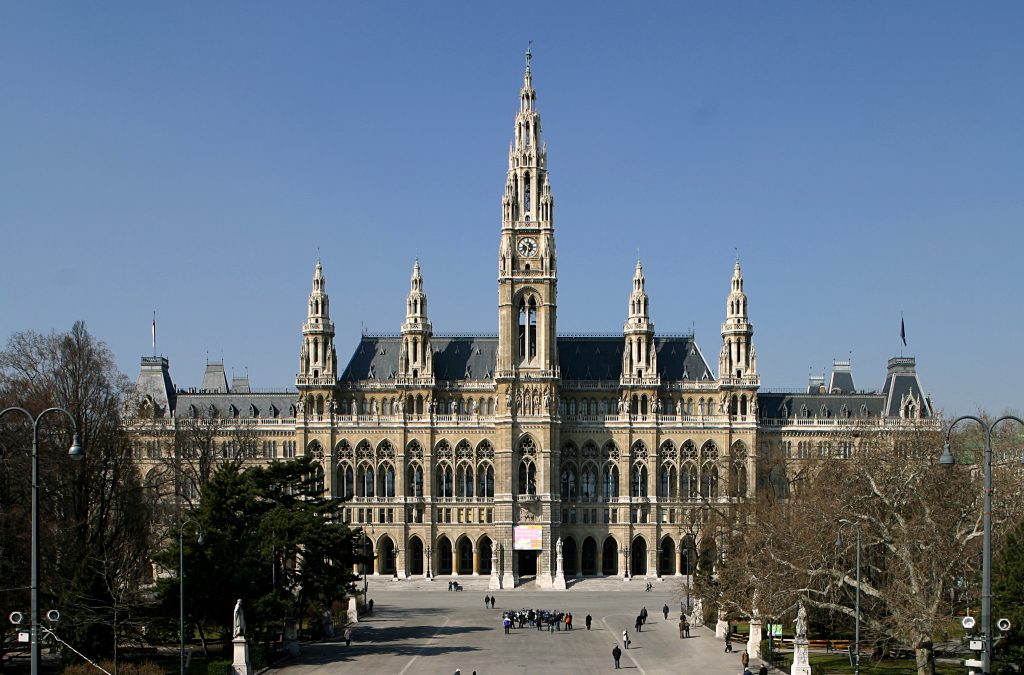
[
  {"x": 617, "y": 636},
  {"x": 436, "y": 633}
]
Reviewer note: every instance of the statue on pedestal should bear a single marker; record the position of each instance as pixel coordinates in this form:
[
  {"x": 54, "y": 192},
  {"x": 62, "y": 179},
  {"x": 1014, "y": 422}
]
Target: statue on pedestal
[
  {"x": 239, "y": 621},
  {"x": 801, "y": 623}
]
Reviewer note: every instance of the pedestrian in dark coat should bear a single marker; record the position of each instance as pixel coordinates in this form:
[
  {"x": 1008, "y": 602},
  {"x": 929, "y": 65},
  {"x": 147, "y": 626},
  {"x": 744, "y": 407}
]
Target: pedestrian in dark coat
[
  {"x": 639, "y": 625},
  {"x": 763, "y": 670},
  {"x": 664, "y": 610},
  {"x": 745, "y": 659},
  {"x": 682, "y": 628},
  {"x": 616, "y": 654},
  {"x": 686, "y": 626},
  {"x": 588, "y": 620}
]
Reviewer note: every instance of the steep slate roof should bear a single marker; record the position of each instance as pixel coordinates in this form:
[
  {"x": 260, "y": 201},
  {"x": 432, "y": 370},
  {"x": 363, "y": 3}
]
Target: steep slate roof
[
  {"x": 901, "y": 380},
  {"x": 475, "y": 358},
  {"x": 776, "y": 405},
  {"x": 265, "y": 404}
]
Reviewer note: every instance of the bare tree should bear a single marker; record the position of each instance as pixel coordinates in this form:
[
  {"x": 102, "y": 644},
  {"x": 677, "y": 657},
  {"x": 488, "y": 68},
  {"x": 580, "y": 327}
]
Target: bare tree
[
  {"x": 93, "y": 510},
  {"x": 921, "y": 530}
]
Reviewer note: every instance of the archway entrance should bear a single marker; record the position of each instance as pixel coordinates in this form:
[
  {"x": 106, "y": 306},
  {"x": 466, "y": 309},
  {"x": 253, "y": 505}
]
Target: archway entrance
[
  {"x": 667, "y": 557},
  {"x": 465, "y": 547},
  {"x": 589, "y": 556},
  {"x": 638, "y": 557},
  {"x": 526, "y": 563},
  {"x": 414, "y": 557},
  {"x": 610, "y": 557},
  {"x": 569, "y": 556},
  {"x": 444, "y": 556},
  {"x": 486, "y": 551},
  {"x": 386, "y": 556}
]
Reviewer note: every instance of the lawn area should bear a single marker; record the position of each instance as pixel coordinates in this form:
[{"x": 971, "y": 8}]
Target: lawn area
[{"x": 834, "y": 664}]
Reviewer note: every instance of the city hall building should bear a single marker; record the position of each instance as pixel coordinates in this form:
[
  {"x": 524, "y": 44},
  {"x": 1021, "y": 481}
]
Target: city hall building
[{"x": 528, "y": 454}]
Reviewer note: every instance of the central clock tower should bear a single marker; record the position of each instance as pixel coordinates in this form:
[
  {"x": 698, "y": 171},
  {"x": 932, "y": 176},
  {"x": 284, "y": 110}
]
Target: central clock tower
[{"x": 527, "y": 264}]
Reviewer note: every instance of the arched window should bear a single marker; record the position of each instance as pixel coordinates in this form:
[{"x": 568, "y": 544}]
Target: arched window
[
  {"x": 667, "y": 482},
  {"x": 444, "y": 481},
  {"x": 610, "y": 482},
  {"x": 689, "y": 479},
  {"x": 415, "y": 485},
  {"x": 347, "y": 481},
  {"x": 365, "y": 480},
  {"x": 569, "y": 483},
  {"x": 485, "y": 472},
  {"x": 638, "y": 481},
  {"x": 387, "y": 481},
  {"x": 464, "y": 480},
  {"x": 527, "y": 477},
  {"x": 588, "y": 483}
]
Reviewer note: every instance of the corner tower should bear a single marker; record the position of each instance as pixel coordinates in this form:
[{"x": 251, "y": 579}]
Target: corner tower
[
  {"x": 416, "y": 359},
  {"x": 527, "y": 264},
  {"x": 317, "y": 361},
  {"x": 639, "y": 357},
  {"x": 737, "y": 363}
]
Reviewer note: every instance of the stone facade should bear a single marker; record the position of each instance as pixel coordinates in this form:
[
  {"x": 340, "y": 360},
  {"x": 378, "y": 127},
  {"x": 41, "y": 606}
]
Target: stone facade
[{"x": 447, "y": 447}]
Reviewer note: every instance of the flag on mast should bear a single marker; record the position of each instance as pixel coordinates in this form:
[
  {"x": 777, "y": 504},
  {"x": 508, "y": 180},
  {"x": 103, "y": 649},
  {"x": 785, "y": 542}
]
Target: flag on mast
[
  {"x": 154, "y": 333},
  {"x": 903, "y": 331}
]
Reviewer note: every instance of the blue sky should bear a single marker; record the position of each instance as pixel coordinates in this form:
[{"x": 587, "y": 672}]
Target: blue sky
[{"x": 866, "y": 158}]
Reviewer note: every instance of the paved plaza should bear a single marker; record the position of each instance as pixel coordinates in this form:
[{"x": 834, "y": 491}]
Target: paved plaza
[{"x": 428, "y": 632}]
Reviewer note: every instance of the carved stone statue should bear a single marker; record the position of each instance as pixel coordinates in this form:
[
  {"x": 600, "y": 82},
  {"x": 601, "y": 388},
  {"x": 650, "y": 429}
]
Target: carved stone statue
[
  {"x": 558, "y": 547},
  {"x": 238, "y": 629},
  {"x": 801, "y": 623}
]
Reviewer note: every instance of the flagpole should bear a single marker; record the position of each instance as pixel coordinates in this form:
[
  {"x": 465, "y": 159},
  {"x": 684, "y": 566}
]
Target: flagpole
[{"x": 154, "y": 333}]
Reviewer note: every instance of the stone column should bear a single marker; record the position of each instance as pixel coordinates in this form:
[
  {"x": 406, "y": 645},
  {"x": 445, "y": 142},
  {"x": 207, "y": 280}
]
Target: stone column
[
  {"x": 495, "y": 582},
  {"x": 476, "y": 562},
  {"x": 579, "y": 560},
  {"x": 801, "y": 661},
  {"x": 754, "y": 642},
  {"x": 376, "y": 565},
  {"x": 600, "y": 560}
]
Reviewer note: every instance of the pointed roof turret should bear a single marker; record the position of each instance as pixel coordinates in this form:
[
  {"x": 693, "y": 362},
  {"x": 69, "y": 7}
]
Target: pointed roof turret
[
  {"x": 639, "y": 303},
  {"x": 416, "y": 305}
]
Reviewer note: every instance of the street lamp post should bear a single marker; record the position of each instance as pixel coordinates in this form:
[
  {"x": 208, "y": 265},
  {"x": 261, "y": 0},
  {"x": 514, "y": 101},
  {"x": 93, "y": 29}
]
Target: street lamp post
[
  {"x": 948, "y": 460},
  {"x": 75, "y": 452},
  {"x": 856, "y": 636},
  {"x": 181, "y": 587},
  {"x": 626, "y": 552},
  {"x": 429, "y": 558}
]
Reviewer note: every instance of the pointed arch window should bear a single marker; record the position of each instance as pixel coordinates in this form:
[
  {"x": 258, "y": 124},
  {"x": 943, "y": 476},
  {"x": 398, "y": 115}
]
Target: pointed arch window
[
  {"x": 444, "y": 481},
  {"x": 667, "y": 482},
  {"x": 569, "y": 483},
  {"x": 485, "y": 473},
  {"x": 638, "y": 481},
  {"x": 610, "y": 482},
  {"x": 347, "y": 481},
  {"x": 415, "y": 488},
  {"x": 387, "y": 481},
  {"x": 588, "y": 483},
  {"x": 464, "y": 480},
  {"x": 527, "y": 477},
  {"x": 364, "y": 478},
  {"x": 689, "y": 481}
]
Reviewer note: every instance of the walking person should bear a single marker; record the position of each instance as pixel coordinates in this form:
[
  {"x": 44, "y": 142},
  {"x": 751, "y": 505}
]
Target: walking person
[
  {"x": 763, "y": 670},
  {"x": 348, "y": 636},
  {"x": 588, "y": 620},
  {"x": 728, "y": 643},
  {"x": 664, "y": 610},
  {"x": 507, "y": 623},
  {"x": 625, "y": 639},
  {"x": 745, "y": 659},
  {"x": 487, "y": 601},
  {"x": 682, "y": 628},
  {"x": 639, "y": 625},
  {"x": 616, "y": 654},
  {"x": 686, "y": 626}
]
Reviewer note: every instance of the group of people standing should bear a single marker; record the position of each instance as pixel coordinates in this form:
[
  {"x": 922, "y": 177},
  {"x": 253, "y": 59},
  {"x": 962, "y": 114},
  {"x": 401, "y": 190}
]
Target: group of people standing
[{"x": 538, "y": 618}]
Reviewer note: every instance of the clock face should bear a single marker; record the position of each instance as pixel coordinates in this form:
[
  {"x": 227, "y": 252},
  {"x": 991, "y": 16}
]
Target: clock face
[{"x": 527, "y": 247}]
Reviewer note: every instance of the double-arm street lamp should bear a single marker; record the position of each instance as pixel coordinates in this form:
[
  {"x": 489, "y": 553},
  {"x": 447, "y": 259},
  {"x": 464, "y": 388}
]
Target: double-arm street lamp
[
  {"x": 856, "y": 638},
  {"x": 947, "y": 459},
  {"x": 181, "y": 586},
  {"x": 75, "y": 452}
]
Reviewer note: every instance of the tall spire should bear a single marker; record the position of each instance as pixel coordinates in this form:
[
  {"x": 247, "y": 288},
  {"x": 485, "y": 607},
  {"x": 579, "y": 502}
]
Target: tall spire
[
  {"x": 738, "y": 358},
  {"x": 416, "y": 359},
  {"x": 639, "y": 357},
  {"x": 317, "y": 358},
  {"x": 527, "y": 262}
]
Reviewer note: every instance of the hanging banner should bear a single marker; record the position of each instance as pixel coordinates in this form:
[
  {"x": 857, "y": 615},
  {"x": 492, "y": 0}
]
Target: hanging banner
[{"x": 527, "y": 537}]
